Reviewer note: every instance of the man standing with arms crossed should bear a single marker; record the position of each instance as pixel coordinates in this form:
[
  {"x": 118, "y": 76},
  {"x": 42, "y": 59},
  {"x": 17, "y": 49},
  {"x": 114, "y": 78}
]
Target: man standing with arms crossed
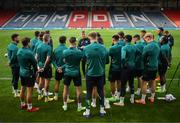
[
  {"x": 150, "y": 57},
  {"x": 28, "y": 68},
  {"x": 96, "y": 56}
]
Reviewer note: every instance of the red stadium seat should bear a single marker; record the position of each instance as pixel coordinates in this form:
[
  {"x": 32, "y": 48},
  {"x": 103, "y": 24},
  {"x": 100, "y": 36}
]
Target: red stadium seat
[
  {"x": 174, "y": 15},
  {"x": 99, "y": 19},
  {"x": 79, "y": 19},
  {"x": 5, "y": 16}
]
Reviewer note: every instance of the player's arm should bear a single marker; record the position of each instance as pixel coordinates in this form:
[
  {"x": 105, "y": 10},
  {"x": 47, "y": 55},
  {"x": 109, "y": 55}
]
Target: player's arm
[
  {"x": 34, "y": 63},
  {"x": 79, "y": 44},
  {"x": 145, "y": 54},
  {"x": 9, "y": 57},
  {"x": 165, "y": 57},
  {"x": 172, "y": 40},
  {"x": 54, "y": 60},
  {"x": 84, "y": 54}
]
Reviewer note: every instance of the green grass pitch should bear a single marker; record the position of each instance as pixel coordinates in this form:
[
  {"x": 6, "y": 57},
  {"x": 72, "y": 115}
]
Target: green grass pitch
[{"x": 160, "y": 111}]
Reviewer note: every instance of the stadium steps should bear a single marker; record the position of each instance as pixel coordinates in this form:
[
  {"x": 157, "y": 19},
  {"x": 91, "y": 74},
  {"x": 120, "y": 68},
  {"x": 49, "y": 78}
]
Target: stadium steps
[
  {"x": 5, "y": 16},
  {"x": 159, "y": 19},
  {"x": 174, "y": 15}
]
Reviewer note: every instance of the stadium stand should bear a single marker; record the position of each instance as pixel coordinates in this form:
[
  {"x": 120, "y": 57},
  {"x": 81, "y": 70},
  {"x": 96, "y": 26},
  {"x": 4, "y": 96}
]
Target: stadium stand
[
  {"x": 174, "y": 15},
  {"x": 78, "y": 19},
  {"x": 38, "y": 20},
  {"x": 90, "y": 19},
  {"x": 19, "y": 20},
  {"x": 5, "y": 16},
  {"x": 120, "y": 20},
  {"x": 58, "y": 19},
  {"x": 100, "y": 19},
  {"x": 139, "y": 20},
  {"x": 159, "y": 19}
]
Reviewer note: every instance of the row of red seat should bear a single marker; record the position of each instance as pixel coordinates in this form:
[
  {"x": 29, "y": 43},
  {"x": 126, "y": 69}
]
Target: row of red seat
[
  {"x": 5, "y": 16},
  {"x": 173, "y": 15}
]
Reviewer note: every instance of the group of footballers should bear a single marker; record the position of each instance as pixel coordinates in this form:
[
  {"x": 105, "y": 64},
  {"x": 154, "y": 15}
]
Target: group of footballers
[{"x": 129, "y": 57}]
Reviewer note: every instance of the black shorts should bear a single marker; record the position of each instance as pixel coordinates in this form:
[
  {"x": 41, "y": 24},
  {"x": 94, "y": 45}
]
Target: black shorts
[
  {"x": 138, "y": 73},
  {"x": 47, "y": 73},
  {"x": 95, "y": 81},
  {"x": 127, "y": 74},
  {"x": 114, "y": 76},
  {"x": 149, "y": 75},
  {"x": 76, "y": 80},
  {"x": 28, "y": 81},
  {"x": 58, "y": 76},
  {"x": 162, "y": 69}
]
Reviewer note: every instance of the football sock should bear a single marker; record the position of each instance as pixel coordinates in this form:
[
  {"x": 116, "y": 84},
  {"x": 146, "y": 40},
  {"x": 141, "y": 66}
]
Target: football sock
[{"x": 29, "y": 106}]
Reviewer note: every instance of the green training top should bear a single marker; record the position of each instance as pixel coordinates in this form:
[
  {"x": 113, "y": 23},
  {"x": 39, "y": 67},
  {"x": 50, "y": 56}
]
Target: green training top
[
  {"x": 72, "y": 57},
  {"x": 139, "y": 64},
  {"x": 36, "y": 46},
  {"x": 12, "y": 54},
  {"x": 33, "y": 43},
  {"x": 58, "y": 55},
  {"x": 115, "y": 54},
  {"x": 97, "y": 56},
  {"x": 43, "y": 50},
  {"x": 128, "y": 55},
  {"x": 27, "y": 62},
  {"x": 150, "y": 55},
  {"x": 122, "y": 42},
  {"x": 164, "y": 56}
]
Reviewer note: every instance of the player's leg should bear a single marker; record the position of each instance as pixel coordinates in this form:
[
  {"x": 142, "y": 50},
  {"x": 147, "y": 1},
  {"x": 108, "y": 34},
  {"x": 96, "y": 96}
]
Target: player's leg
[
  {"x": 144, "y": 91},
  {"x": 153, "y": 85},
  {"x": 139, "y": 85},
  {"x": 41, "y": 85},
  {"x": 89, "y": 89},
  {"x": 106, "y": 101},
  {"x": 58, "y": 77},
  {"x": 30, "y": 108},
  {"x": 94, "y": 96},
  {"x": 118, "y": 85},
  {"x": 15, "y": 79},
  {"x": 22, "y": 94},
  {"x": 65, "y": 92},
  {"x": 37, "y": 82},
  {"x": 67, "y": 81},
  {"x": 78, "y": 84},
  {"x": 112, "y": 86},
  {"x": 56, "y": 89},
  {"x": 124, "y": 78},
  {"x": 100, "y": 90},
  {"x": 162, "y": 74},
  {"x": 118, "y": 89},
  {"x": 138, "y": 74},
  {"x": 46, "y": 90},
  {"x": 131, "y": 84},
  {"x": 153, "y": 89}
]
